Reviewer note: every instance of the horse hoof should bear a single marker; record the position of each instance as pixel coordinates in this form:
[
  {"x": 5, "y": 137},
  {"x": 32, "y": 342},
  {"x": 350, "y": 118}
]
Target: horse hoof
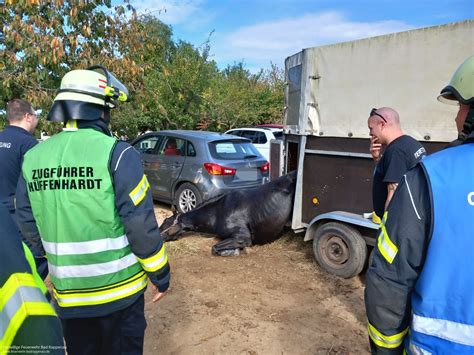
[{"x": 227, "y": 252}]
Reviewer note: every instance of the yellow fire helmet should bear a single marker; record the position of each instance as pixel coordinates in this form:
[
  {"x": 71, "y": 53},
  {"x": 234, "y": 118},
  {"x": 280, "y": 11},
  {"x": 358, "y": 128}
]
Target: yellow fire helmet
[
  {"x": 461, "y": 87},
  {"x": 85, "y": 94}
]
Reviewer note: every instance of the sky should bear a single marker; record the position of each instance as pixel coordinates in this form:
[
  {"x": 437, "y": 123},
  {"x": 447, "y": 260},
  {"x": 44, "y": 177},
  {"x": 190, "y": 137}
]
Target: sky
[{"x": 262, "y": 32}]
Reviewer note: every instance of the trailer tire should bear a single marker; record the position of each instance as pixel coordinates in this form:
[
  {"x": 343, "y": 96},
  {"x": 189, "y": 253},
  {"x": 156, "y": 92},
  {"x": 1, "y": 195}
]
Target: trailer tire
[{"x": 339, "y": 249}]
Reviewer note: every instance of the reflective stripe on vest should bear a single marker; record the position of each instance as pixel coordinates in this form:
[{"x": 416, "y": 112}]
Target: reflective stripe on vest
[
  {"x": 444, "y": 329},
  {"x": 91, "y": 270},
  {"x": 416, "y": 350},
  {"x": 89, "y": 247},
  {"x": 20, "y": 297},
  {"x": 102, "y": 295}
]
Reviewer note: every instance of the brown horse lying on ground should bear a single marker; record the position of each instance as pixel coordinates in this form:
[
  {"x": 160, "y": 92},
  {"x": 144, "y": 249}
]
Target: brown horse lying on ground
[{"x": 239, "y": 218}]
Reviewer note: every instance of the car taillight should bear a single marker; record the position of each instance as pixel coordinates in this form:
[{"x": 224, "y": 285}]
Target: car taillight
[
  {"x": 216, "y": 169},
  {"x": 264, "y": 168}
]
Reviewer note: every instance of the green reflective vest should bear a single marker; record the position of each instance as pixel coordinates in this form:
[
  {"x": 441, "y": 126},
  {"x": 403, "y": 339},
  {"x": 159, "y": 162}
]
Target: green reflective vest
[{"x": 72, "y": 197}]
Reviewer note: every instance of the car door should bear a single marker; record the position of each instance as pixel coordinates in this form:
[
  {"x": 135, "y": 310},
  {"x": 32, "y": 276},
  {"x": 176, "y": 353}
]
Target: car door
[
  {"x": 148, "y": 149},
  {"x": 170, "y": 157}
]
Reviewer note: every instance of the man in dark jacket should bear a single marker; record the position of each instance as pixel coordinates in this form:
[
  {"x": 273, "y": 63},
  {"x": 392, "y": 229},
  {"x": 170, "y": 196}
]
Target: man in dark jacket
[
  {"x": 15, "y": 140},
  {"x": 84, "y": 196},
  {"x": 419, "y": 287}
]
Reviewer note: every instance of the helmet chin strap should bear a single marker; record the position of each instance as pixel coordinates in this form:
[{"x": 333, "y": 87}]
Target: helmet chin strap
[{"x": 468, "y": 124}]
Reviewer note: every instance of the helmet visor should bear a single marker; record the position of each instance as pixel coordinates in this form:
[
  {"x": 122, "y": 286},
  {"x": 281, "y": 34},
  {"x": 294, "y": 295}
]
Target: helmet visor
[
  {"x": 114, "y": 82},
  {"x": 115, "y": 90},
  {"x": 449, "y": 95}
]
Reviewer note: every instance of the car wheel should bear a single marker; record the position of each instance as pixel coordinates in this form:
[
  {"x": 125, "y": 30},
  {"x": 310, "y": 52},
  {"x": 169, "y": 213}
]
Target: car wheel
[
  {"x": 188, "y": 198},
  {"x": 339, "y": 249}
]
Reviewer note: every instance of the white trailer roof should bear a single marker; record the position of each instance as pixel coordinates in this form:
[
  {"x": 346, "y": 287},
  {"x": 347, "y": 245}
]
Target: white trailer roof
[{"x": 340, "y": 83}]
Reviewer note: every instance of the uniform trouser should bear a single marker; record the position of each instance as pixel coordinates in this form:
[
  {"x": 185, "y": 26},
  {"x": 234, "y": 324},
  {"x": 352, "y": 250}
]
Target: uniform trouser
[
  {"x": 42, "y": 266},
  {"x": 121, "y": 332}
]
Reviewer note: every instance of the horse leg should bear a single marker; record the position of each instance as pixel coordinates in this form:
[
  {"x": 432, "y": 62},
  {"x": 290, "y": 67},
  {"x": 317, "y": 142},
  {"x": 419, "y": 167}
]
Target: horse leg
[
  {"x": 167, "y": 238},
  {"x": 232, "y": 246}
]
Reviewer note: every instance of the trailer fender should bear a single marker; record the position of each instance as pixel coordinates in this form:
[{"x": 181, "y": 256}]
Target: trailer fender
[{"x": 340, "y": 216}]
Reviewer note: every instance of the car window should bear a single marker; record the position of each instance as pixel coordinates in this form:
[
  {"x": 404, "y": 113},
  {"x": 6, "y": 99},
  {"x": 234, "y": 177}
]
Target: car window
[
  {"x": 278, "y": 135},
  {"x": 248, "y": 134},
  {"x": 232, "y": 150},
  {"x": 172, "y": 146},
  {"x": 260, "y": 138},
  {"x": 235, "y": 133},
  {"x": 190, "y": 152},
  {"x": 147, "y": 145}
]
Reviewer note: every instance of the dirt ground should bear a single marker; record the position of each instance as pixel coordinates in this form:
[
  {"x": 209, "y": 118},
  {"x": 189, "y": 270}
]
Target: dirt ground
[{"x": 272, "y": 300}]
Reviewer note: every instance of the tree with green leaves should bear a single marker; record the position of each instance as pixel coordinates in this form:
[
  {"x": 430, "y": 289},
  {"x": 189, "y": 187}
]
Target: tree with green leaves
[
  {"x": 42, "y": 40},
  {"x": 237, "y": 98},
  {"x": 173, "y": 85}
]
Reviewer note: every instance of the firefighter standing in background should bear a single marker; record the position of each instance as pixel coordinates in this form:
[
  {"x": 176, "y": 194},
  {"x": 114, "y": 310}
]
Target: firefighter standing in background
[
  {"x": 85, "y": 197},
  {"x": 28, "y": 322},
  {"x": 15, "y": 140},
  {"x": 419, "y": 292}
]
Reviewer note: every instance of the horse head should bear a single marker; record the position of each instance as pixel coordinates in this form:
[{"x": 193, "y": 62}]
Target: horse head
[{"x": 171, "y": 228}]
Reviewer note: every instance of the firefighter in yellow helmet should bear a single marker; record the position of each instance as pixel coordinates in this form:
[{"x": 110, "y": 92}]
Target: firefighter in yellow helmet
[
  {"x": 419, "y": 287},
  {"x": 85, "y": 196}
]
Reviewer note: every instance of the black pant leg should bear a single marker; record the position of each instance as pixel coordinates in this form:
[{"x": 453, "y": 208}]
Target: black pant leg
[
  {"x": 82, "y": 335},
  {"x": 119, "y": 333},
  {"x": 42, "y": 266},
  {"x": 132, "y": 328}
]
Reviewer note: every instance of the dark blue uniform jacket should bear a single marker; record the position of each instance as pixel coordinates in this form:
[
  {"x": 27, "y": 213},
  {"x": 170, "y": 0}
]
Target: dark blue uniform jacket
[{"x": 14, "y": 143}]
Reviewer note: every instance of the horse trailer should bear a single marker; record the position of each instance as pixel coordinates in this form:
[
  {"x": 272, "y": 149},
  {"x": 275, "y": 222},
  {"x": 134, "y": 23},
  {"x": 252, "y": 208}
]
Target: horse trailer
[{"x": 329, "y": 93}]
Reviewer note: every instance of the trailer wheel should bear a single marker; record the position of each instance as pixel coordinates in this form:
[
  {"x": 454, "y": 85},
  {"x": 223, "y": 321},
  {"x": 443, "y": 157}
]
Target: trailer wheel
[{"x": 339, "y": 249}]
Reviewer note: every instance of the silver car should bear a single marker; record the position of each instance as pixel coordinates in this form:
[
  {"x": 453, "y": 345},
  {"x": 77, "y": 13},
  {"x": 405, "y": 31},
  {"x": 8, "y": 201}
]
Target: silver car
[{"x": 185, "y": 168}]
